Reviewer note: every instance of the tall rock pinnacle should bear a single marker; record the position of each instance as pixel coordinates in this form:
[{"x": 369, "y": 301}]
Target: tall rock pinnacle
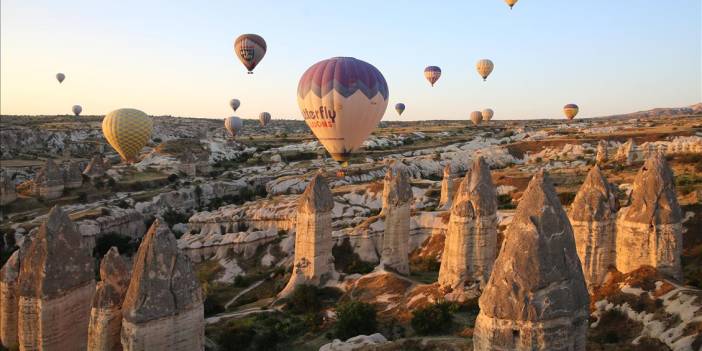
[{"x": 397, "y": 199}]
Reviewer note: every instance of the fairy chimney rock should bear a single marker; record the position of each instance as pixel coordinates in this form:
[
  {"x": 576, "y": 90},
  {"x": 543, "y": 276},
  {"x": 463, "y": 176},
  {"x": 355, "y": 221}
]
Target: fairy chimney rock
[
  {"x": 48, "y": 182},
  {"x": 537, "y": 287},
  {"x": 8, "y": 193},
  {"x": 56, "y": 283},
  {"x": 471, "y": 239},
  {"x": 602, "y": 155},
  {"x": 162, "y": 309},
  {"x": 397, "y": 198},
  {"x": 448, "y": 189},
  {"x": 72, "y": 177},
  {"x": 96, "y": 168},
  {"x": 649, "y": 230},
  {"x": 593, "y": 216}
]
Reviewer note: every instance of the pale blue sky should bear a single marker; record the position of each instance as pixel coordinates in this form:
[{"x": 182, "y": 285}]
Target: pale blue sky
[{"x": 176, "y": 57}]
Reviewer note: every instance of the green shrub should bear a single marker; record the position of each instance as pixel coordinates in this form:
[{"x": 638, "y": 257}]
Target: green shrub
[
  {"x": 348, "y": 261},
  {"x": 355, "y": 318},
  {"x": 305, "y": 299},
  {"x": 433, "y": 319},
  {"x": 124, "y": 244}
]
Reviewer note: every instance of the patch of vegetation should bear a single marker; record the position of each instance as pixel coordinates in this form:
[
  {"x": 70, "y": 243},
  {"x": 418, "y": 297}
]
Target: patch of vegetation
[
  {"x": 566, "y": 198},
  {"x": 126, "y": 245},
  {"x": 261, "y": 332},
  {"x": 425, "y": 264},
  {"x": 7, "y": 246},
  {"x": 355, "y": 318},
  {"x": 173, "y": 217},
  {"x": 434, "y": 319},
  {"x": 349, "y": 262}
]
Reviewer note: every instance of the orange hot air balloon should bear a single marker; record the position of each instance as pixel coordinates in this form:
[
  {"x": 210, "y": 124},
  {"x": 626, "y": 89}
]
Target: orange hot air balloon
[
  {"x": 250, "y": 49},
  {"x": 511, "y": 3},
  {"x": 476, "y": 117},
  {"x": 570, "y": 111},
  {"x": 342, "y": 99}
]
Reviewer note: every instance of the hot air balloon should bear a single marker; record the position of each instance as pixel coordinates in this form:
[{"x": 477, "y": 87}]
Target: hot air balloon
[
  {"x": 432, "y": 74},
  {"x": 77, "y": 110},
  {"x": 233, "y": 125},
  {"x": 511, "y": 3},
  {"x": 484, "y": 68},
  {"x": 127, "y": 130},
  {"x": 264, "y": 118},
  {"x": 476, "y": 117},
  {"x": 60, "y": 77},
  {"x": 570, "y": 111},
  {"x": 342, "y": 99},
  {"x": 250, "y": 48},
  {"x": 487, "y": 114},
  {"x": 400, "y": 107},
  {"x": 234, "y": 103}
]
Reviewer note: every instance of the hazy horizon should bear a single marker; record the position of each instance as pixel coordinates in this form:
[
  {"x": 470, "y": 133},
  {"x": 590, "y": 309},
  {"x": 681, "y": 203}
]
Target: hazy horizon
[{"x": 177, "y": 59}]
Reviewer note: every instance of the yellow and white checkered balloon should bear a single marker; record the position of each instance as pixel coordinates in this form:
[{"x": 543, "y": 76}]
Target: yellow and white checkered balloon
[{"x": 127, "y": 130}]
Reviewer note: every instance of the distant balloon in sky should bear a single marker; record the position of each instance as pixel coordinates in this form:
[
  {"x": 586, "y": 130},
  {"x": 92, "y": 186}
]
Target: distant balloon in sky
[
  {"x": 400, "y": 107},
  {"x": 60, "y": 77},
  {"x": 234, "y": 103},
  {"x": 476, "y": 117},
  {"x": 233, "y": 125},
  {"x": 487, "y": 114},
  {"x": 342, "y": 99},
  {"x": 570, "y": 111},
  {"x": 127, "y": 130},
  {"x": 432, "y": 74},
  {"x": 484, "y": 68},
  {"x": 511, "y": 3},
  {"x": 264, "y": 118},
  {"x": 77, "y": 110},
  {"x": 250, "y": 49}
]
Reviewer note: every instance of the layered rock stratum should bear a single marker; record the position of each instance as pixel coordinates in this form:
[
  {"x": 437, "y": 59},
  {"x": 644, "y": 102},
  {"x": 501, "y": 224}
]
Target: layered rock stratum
[{"x": 536, "y": 298}]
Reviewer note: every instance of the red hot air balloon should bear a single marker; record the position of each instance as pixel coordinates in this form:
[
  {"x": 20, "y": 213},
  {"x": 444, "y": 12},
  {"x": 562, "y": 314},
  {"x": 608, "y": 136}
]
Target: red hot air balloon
[{"x": 250, "y": 49}]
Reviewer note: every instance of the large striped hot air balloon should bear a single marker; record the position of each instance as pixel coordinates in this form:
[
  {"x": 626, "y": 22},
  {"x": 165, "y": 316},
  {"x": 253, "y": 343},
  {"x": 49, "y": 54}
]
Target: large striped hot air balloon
[
  {"x": 233, "y": 125},
  {"x": 476, "y": 117},
  {"x": 342, "y": 99},
  {"x": 60, "y": 77},
  {"x": 77, "y": 110},
  {"x": 484, "y": 68},
  {"x": 511, "y": 3},
  {"x": 400, "y": 107},
  {"x": 264, "y": 118},
  {"x": 234, "y": 103},
  {"x": 432, "y": 74},
  {"x": 127, "y": 130},
  {"x": 570, "y": 111},
  {"x": 250, "y": 49},
  {"x": 487, "y": 114}
]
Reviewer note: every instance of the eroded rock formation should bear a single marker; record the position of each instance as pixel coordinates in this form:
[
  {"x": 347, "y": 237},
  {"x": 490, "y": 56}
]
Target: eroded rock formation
[
  {"x": 313, "y": 263},
  {"x": 627, "y": 152},
  {"x": 96, "y": 168},
  {"x": 471, "y": 240},
  {"x": 8, "y": 193},
  {"x": 397, "y": 198},
  {"x": 48, "y": 182},
  {"x": 56, "y": 283},
  {"x": 593, "y": 216},
  {"x": 602, "y": 154},
  {"x": 9, "y": 297},
  {"x": 448, "y": 189},
  {"x": 649, "y": 230},
  {"x": 163, "y": 308},
  {"x": 72, "y": 176},
  {"x": 536, "y": 298},
  {"x": 106, "y": 313}
]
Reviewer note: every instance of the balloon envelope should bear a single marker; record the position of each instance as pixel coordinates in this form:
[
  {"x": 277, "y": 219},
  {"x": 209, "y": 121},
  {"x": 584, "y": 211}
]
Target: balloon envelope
[
  {"x": 476, "y": 117},
  {"x": 127, "y": 130},
  {"x": 264, "y": 118},
  {"x": 511, "y": 3},
  {"x": 60, "y": 77},
  {"x": 234, "y": 103},
  {"x": 487, "y": 114},
  {"x": 400, "y": 107},
  {"x": 250, "y": 49},
  {"x": 233, "y": 125},
  {"x": 432, "y": 74},
  {"x": 342, "y": 99},
  {"x": 570, "y": 111},
  {"x": 484, "y": 68},
  {"x": 77, "y": 110}
]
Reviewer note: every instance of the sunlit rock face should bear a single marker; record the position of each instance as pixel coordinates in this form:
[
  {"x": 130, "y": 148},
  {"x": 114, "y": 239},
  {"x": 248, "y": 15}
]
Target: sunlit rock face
[
  {"x": 48, "y": 183},
  {"x": 627, "y": 152},
  {"x": 602, "y": 154},
  {"x": 397, "y": 198},
  {"x": 536, "y": 298},
  {"x": 96, "y": 168},
  {"x": 8, "y": 192},
  {"x": 313, "y": 262},
  {"x": 106, "y": 313},
  {"x": 56, "y": 283},
  {"x": 162, "y": 309},
  {"x": 448, "y": 189},
  {"x": 649, "y": 230},
  {"x": 593, "y": 216},
  {"x": 9, "y": 296},
  {"x": 471, "y": 239},
  {"x": 72, "y": 176}
]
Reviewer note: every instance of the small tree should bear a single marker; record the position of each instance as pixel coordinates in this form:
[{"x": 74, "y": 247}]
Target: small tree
[
  {"x": 433, "y": 319},
  {"x": 355, "y": 318}
]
